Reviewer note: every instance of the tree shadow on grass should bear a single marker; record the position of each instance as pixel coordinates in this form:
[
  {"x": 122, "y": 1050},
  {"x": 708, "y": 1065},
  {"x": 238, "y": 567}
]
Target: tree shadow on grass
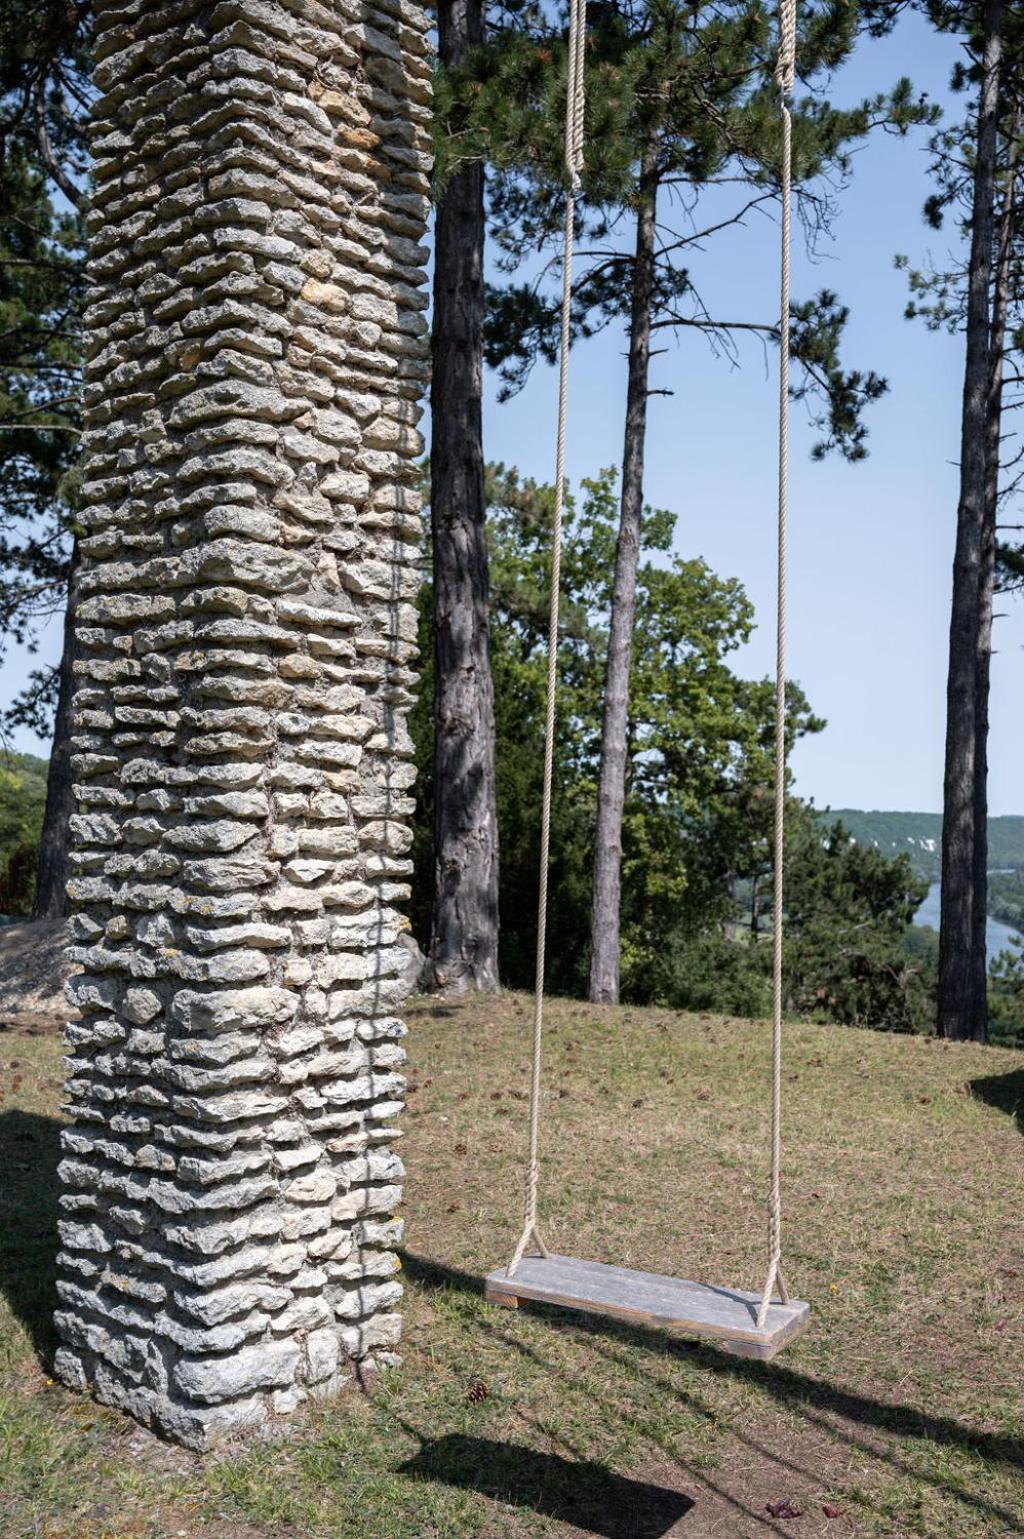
[
  {"x": 29, "y": 1154},
  {"x": 1003, "y": 1091},
  {"x": 816, "y": 1400},
  {"x": 578, "y": 1492}
]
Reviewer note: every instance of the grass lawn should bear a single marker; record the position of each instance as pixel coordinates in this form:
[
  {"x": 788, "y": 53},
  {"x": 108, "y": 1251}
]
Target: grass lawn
[{"x": 900, "y": 1413}]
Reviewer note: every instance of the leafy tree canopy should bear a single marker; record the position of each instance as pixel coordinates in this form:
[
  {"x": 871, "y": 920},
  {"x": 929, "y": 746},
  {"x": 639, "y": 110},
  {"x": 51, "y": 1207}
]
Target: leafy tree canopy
[
  {"x": 22, "y": 799},
  {"x": 700, "y": 735}
]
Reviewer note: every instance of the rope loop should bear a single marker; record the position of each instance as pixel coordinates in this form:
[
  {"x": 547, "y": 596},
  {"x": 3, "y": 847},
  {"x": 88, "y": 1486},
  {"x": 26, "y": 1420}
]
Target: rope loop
[{"x": 785, "y": 64}]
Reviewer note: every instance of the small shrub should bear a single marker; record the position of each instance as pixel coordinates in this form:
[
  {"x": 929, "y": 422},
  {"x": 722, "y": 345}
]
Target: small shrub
[{"x": 712, "y": 972}]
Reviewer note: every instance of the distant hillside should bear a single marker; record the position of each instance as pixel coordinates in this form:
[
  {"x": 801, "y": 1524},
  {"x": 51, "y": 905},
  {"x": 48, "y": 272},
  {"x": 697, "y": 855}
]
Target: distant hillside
[
  {"x": 919, "y": 835},
  {"x": 24, "y": 764}
]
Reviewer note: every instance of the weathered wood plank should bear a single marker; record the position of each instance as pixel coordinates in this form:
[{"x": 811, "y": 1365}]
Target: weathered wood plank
[{"x": 725, "y": 1315}]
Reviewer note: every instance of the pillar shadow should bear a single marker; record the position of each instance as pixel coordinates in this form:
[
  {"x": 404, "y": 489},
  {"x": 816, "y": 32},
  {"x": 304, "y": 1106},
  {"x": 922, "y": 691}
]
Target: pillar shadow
[
  {"x": 578, "y": 1492},
  {"x": 1003, "y": 1091},
  {"x": 29, "y": 1154}
]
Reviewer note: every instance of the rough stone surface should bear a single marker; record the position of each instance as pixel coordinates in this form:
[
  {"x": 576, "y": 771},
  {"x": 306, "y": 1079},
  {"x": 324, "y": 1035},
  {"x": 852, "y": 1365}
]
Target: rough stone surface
[{"x": 251, "y": 556}]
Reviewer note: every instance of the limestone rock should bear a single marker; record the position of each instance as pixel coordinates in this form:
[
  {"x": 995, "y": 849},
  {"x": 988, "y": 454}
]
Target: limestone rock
[{"x": 250, "y": 555}]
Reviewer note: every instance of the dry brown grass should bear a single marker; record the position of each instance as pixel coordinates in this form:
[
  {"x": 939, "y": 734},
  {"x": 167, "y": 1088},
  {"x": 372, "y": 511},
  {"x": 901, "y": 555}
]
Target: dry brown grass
[{"x": 901, "y": 1411}]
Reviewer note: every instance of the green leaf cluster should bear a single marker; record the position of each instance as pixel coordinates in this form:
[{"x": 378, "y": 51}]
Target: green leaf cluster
[
  {"x": 1006, "y": 997},
  {"x": 22, "y": 800},
  {"x": 698, "y": 820},
  {"x": 700, "y": 735},
  {"x": 848, "y": 912},
  {"x": 850, "y": 952}
]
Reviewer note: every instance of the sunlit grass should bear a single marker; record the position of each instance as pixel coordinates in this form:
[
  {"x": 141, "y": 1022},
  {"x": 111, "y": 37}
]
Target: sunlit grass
[{"x": 901, "y": 1409}]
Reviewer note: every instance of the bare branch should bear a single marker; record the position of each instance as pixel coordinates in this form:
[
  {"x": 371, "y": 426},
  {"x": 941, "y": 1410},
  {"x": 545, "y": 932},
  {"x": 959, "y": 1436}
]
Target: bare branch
[{"x": 73, "y": 194}]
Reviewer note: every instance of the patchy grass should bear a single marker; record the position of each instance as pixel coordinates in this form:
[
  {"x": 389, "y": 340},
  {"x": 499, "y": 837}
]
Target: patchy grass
[{"x": 899, "y": 1414}]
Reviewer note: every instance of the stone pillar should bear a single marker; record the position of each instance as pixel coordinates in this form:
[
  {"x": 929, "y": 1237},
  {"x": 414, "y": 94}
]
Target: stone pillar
[{"x": 242, "y": 763}]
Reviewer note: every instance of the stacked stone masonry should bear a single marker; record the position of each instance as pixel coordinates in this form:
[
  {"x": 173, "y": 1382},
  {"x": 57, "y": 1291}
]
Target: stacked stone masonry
[{"x": 246, "y": 635}]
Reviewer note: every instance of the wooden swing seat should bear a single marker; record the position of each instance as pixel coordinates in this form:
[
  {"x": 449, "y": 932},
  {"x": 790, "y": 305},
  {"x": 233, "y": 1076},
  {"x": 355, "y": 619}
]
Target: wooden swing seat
[{"x": 724, "y": 1315}]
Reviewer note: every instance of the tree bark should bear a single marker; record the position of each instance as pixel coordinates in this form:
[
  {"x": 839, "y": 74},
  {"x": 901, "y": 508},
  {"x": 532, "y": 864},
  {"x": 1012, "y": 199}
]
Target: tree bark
[
  {"x": 51, "y": 897},
  {"x": 605, "y": 903},
  {"x": 987, "y": 574},
  {"x": 961, "y": 1012},
  {"x": 464, "y": 922}
]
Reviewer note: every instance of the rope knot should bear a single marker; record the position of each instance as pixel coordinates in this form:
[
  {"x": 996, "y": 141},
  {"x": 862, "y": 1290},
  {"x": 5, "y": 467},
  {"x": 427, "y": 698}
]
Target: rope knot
[
  {"x": 785, "y": 64},
  {"x": 575, "y": 99}
]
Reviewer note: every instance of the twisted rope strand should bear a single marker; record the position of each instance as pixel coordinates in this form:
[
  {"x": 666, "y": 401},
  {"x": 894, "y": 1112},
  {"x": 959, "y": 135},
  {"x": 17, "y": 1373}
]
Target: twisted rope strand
[
  {"x": 576, "y": 99},
  {"x": 785, "y": 64},
  {"x": 574, "y": 107},
  {"x": 784, "y": 75}
]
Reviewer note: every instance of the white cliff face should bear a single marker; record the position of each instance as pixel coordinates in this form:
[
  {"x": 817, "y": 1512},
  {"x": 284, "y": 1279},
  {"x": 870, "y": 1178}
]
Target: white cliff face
[{"x": 256, "y": 347}]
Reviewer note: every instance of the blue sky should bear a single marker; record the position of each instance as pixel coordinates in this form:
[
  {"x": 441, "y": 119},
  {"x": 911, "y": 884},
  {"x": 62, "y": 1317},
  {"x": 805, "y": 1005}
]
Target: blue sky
[{"x": 871, "y": 544}]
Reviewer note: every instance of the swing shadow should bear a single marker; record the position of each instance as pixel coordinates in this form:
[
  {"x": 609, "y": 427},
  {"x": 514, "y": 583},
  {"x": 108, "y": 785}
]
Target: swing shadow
[
  {"x": 1003, "y": 1091},
  {"x": 549, "y": 1483},
  {"x": 579, "y": 1492},
  {"x": 814, "y": 1399}
]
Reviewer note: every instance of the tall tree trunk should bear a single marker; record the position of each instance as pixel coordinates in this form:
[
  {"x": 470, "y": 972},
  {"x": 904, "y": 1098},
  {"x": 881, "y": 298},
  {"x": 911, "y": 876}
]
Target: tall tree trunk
[
  {"x": 51, "y": 898},
  {"x": 464, "y": 922},
  {"x": 987, "y": 575},
  {"x": 961, "y": 1013},
  {"x": 605, "y": 903}
]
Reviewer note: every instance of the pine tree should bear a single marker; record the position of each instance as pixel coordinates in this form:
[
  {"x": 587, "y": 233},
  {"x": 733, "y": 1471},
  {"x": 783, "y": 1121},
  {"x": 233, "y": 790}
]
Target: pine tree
[
  {"x": 961, "y": 1013},
  {"x": 977, "y": 168},
  {"x": 43, "y": 98},
  {"x": 463, "y": 946},
  {"x": 978, "y": 171},
  {"x": 680, "y": 101},
  {"x": 700, "y": 736}
]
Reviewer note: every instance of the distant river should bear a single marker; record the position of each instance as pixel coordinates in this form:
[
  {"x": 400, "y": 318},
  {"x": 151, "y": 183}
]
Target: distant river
[{"x": 999, "y": 935}]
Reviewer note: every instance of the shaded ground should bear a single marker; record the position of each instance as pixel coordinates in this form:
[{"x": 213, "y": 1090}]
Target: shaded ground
[
  {"x": 33, "y": 967},
  {"x": 899, "y": 1414}
]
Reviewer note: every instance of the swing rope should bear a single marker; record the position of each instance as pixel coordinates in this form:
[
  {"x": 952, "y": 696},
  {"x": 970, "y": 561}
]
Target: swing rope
[
  {"x": 574, "y": 108},
  {"x": 575, "y": 101},
  {"x": 785, "y": 69}
]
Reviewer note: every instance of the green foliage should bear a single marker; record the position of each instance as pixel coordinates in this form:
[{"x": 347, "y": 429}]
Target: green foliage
[
  {"x": 698, "y": 820},
  {"x": 22, "y": 800},
  {"x": 712, "y": 971},
  {"x": 848, "y": 913},
  {"x": 1006, "y": 896},
  {"x": 1006, "y": 997},
  {"x": 939, "y": 287},
  {"x": 690, "y": 83},
  {"x": 850, "y": 952},
  {"x": 44, "y": 63},
  {"x": 700, "y": 736}
]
